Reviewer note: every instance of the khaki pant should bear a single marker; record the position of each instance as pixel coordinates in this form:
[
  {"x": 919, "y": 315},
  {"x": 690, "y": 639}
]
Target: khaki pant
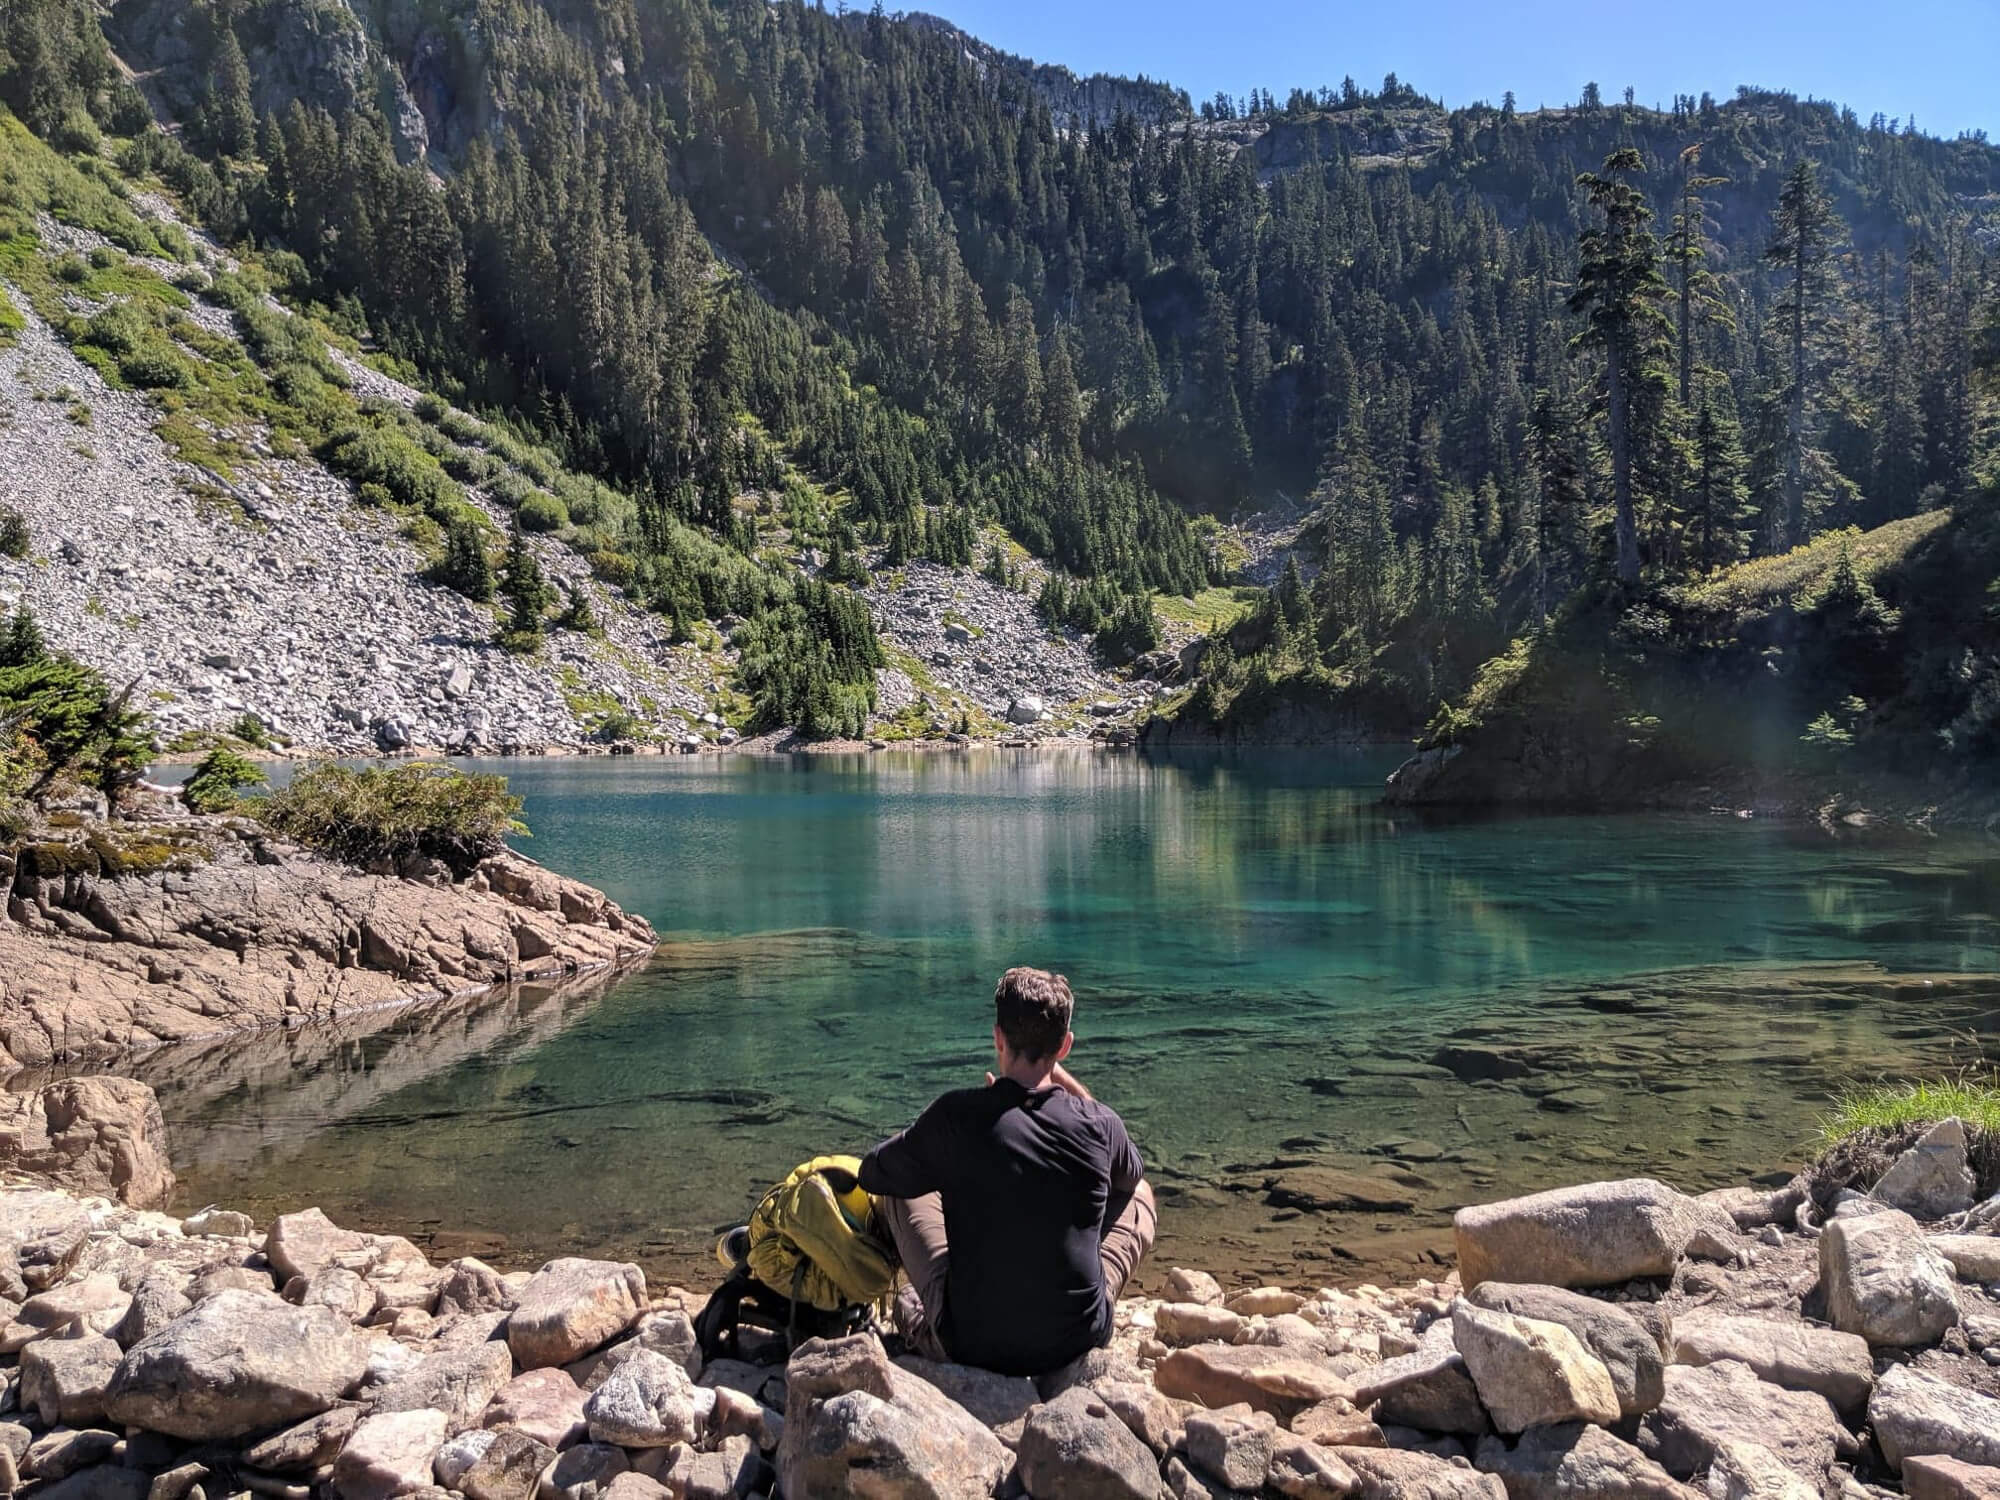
[{"x": 918, "y": 1227}]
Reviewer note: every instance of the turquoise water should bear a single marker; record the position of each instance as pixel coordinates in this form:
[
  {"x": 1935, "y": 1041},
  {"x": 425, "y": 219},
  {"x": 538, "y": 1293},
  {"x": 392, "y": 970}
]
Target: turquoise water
[{"x": 1268, "y": 963}]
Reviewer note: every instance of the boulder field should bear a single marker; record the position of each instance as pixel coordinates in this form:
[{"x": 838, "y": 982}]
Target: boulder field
[
  {"x": 1611, "y": 1340},
  {"x": 170, "y": 926}
]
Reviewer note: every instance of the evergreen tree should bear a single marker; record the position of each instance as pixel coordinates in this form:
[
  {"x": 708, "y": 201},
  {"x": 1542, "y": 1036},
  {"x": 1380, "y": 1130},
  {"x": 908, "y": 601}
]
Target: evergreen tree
[
  {"x": 527, "y": 593},
  {"x": 1689, "y": 249},
  {"x": 23, "y": 641},
  {"x": 1619, "y": 290},
  {"x": 1716, "y": 491},
  {"x": 228, "y": 118},
  {"x": 464, "y": 565},
  {"x": 1801, "y": 245}
]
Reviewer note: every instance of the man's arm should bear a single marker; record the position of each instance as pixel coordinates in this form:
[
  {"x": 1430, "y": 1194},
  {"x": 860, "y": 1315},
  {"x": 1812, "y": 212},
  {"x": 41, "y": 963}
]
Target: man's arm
[{"x": 909, "y": 1164}]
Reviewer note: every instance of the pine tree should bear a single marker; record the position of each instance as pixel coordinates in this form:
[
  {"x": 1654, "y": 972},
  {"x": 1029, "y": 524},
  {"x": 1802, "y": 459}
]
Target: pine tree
[
  {"x": 230, "y": 120},
  {"x": 1619, "y": 290},
  {"x": 23, "y": 641},
  {"x": 1716, "y": 490},
  {"x": 527, "y": 593},
  {"x": 464, "y": 566},
  {"x": 1801, "y": 246},
  {"x": 1688, "y": 249}
]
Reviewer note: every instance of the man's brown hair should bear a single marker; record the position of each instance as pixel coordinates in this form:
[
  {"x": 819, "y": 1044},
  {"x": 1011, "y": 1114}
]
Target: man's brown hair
[{"x": 1033, "y": 1008}]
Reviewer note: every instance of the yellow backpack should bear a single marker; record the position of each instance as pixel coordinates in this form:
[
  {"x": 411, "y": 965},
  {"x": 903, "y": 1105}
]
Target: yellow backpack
[{"x": 813, "y": 1238}]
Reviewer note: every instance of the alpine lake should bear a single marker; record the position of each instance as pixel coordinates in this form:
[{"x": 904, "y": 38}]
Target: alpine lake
[{"x": 1327, "y": 1022}]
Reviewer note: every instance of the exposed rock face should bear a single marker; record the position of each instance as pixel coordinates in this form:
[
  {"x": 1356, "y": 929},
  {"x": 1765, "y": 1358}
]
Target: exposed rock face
[
  {"x": 1915, "y": 1414},
  {"x": 1934, "y": 1177},
  {"x": 571, "y": 1307},
  {"x": 1530, "y": 1373},
  {"x": 1708, "y": 1408},
  {"x": 856, "y": 1426},
  {"x": 1619, "y": 1341},
  {"x": 238, "y": 1363},
  {"x": 1798, "y": 1357},
  {"x": 1075, "y": 1446},
  {"x": 1594, "y": 1235},
  {"x": 262, "y": 932},
  {"x": 95, "y": 1135},
  {"x": 1884, "y": 1281},
  {"x": 1575, "y": 1461}
]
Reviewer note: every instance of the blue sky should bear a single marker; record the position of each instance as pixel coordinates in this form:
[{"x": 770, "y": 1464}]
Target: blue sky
[{"x": 1936, "y": 59}]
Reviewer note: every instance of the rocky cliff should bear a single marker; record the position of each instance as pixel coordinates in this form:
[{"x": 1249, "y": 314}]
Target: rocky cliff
[{"x": 122, "y": 935}]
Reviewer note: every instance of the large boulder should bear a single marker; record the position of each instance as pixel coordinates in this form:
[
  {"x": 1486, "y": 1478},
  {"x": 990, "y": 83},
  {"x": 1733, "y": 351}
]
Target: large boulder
[
  {"x": 1575, "y": 1461},
  {"x": 96, "y": 1136},
  {"x": 1620, "y": 1341},
  {"x": 1401, "y": 1474},
  {"x": 1934, "y": 1177},
  {"x": 1915, "y": 1415},
  {"x": 239, "y": 1363},
  {"x": 311, "y": 1444},
  {"x": 1076, "y": 1448},
  {"x": 858, "y": 1428},
  {"x": 66, "y": 1379},
  {"x": 304, "y": 1243},
  {"x": 586, "y": 1472},
  {"x": 1428, "y": 1388},
  {"x": 472, "y": 1286},
  {"x": 1265, "y": 1379},
  {"x": 1597, "y": 1234},
  {"x": 1949, "y": 1479},
  {"x": 1233, "y": 1446},
  {"x": 994, "y": 1399},
  {"x": 389, "y": 1455},
  {"x": 1705, "y": 1409},
  {"x": 1975, "y": 1257},
  {"x": 648, "y": 1402},
  {"x": 546, "y": 1404},
  {"x": 1750, "y": 1471},
  {"x": 572, "y": 1306},
  {"x": 1530, "y": 1373},
  {"x": 1884, "y": 1281},
  {"x": 1797, "y": 1356},
  {"x": 493, "y": 1464},
  {"x": 458, "y": 1382}
]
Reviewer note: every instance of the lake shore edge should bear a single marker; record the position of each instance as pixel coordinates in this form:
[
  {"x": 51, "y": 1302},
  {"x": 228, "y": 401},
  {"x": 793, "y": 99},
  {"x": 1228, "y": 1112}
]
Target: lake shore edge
[{"x": 1610, "y": 1338}]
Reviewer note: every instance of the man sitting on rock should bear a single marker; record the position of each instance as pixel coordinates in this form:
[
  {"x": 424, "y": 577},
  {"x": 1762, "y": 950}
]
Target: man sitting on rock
[{"x": 1019, "y": 1209}]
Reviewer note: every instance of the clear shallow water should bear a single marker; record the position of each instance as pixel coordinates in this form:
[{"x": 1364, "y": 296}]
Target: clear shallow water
[{"x": 1267, "y": 962}]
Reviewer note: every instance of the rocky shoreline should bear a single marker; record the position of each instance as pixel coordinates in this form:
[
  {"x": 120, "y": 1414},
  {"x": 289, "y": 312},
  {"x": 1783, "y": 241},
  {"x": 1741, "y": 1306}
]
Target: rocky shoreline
[
  {"x": 1616, "y": 1339},
  {"x": 169, "y": 926}
]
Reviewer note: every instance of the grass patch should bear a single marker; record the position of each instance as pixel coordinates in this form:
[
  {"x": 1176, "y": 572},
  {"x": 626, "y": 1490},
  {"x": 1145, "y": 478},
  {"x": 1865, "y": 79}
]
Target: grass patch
[
  {"x": 388, "y": 814},
  {"x": 1210, "y": 611},
  {"x": 1767, "y": 582},
  {"x": 1892, "y": 1106}
]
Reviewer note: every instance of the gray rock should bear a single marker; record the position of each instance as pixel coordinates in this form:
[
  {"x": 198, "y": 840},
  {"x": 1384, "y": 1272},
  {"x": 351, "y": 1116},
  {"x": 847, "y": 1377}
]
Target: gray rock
[
  {"x": 459, "y": 1382},
  {"x": 389, "y": 1454},
  {"x": 1797, "y": 1356},
  {"x": 176, "y": 1483},
  {"x": 60, "y": 1453},
  {"x": 1267, "y": 1379},
  {"x": 105, "y": 1482},
  {"x": 648, "y": 1402},
  {"x": 668, "y": 1333},
  {"x": 239, "y": 1363},
  {"x": 1619, "y": 1341},
  {"x": 584, "y": 1472},
  {"x": 1429, "y": 1389},
  {"x": 1574, "y": 1461},
  {"x": 1233, "y": 1446},
  {"x": 1974, "y": 1257},
  {"x": 1884, "y": 1281},
  {"x": 225, "y": 1222},
  {"x": 508, "y": 1466},
  {"x": 994, "y": 1399},
  {"x": 65, "y": 1379},
  {"x": 730, "y": 1472},
  {"x": 1026, "y": 709},
  {"x": 1595, "y": 1235},
  {"x": 311, "y": 1444},
  {"x": 1915, "y": 1414},
  {"x": 300, "y": 1244},
  {"x": 1306, "y": 1471},
  {"x": 1529, "y": 1373},
  {"x": 157, "y": 1301},
  {"x": 1399, "y": 1474},
  {"x": 472, "y": 1286},
  {"x": 1949, "y": 1479},
  {"x": 545, "y": 1404},
  {"x": 858, "y": 1428},
  {"x": 1706, "y": 1408},
  {"x": 341, "y": 1290},
  {"x": 1155, "y": 1420},
  {"x": 571, "y": 1307},
  {"x": 1076, "y": 1448},
  {"x": 1934, "y": 1177}
]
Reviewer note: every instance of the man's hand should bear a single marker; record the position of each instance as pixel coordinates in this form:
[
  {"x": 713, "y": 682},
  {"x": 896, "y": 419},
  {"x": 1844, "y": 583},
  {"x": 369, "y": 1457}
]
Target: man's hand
[{"x": 1063, "y": 1079}]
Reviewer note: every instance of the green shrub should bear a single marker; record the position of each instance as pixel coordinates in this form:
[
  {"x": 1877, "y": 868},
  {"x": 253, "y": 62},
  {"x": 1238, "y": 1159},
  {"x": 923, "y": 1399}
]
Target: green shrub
[
  {"x": 541, "y": 512},
  {"x": 221, "y": 774},
  {"x": 391, "y": 813},
  {"x": 430, "y": 408},
  {"x": 155, "y": 366},
  {"x": 465, "y": 565},
  {"x": 385, "y": 457},
  {"x": 13, "y": 532}
]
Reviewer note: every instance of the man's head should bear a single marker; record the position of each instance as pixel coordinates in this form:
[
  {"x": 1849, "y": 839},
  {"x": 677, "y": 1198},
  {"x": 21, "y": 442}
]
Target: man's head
[{"x": 1032, "y": 1010}]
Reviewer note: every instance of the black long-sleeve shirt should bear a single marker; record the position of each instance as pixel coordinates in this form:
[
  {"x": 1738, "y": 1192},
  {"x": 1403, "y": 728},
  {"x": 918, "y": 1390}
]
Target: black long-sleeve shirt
[{"x": 1026, "y": 1179}]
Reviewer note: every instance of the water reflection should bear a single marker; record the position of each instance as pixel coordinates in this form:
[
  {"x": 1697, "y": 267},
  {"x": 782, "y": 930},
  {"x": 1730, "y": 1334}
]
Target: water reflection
[{"x": 1269, "y": 963}]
